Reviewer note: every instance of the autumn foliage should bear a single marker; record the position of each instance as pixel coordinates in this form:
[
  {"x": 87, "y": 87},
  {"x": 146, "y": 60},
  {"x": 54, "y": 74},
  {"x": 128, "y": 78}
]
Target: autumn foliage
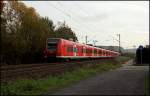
[{"x": 24, "y": 32}]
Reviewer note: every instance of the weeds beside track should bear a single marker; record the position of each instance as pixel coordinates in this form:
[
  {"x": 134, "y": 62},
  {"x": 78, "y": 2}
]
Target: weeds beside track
[
  {"x": 71, "y": 72},
  {"x": 12, "y": 72}
]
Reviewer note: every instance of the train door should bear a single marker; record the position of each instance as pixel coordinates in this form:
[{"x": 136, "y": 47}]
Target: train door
[
  {"x": 75, "y": 50},
  {"x": 69, "y": 50},
  {"x": 102, "y": 53},
  {"x": 97, "y": 52},
  {"x": 78, "y": 49},
  {"x": 92, "y": 51},
  {"x": 84, "y": 51}
]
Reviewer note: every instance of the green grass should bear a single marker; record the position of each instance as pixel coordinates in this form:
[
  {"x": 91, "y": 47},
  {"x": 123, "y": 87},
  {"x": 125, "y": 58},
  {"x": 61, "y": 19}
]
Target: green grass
[
  {"x": 40, "y": 86},
  {"x": 146, "y": 82},
  {"x": 122, "y": 59}
]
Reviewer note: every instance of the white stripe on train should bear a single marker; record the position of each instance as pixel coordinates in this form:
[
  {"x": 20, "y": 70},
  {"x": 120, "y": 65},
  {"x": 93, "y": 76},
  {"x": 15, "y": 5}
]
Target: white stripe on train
[{"x": 83, "y": 56}]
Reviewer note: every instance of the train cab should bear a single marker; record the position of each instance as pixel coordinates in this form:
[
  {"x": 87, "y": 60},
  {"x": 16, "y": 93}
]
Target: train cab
[{"x": 51, "y": 47}]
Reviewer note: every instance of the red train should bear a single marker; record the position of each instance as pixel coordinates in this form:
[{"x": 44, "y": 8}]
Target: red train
[{"x": 61, "y": 48}]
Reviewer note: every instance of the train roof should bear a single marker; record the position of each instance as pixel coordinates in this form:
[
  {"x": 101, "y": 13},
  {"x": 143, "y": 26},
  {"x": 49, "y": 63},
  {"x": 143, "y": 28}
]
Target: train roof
[{"x": 57, "y": 39}]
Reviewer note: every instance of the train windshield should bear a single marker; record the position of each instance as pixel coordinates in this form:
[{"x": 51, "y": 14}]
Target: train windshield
[
  {"x": 52, "y": 46},
  {"x": 52, "y": 43}
]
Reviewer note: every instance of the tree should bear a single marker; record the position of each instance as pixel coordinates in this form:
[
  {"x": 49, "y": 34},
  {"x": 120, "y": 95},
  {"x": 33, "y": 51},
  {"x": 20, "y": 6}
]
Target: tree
[
  {"x": 2, "y": 28},
  {"x": 63, "y": 31},
  {"x": 24, "y": 33},
  {"x": 9, "y": 27}
]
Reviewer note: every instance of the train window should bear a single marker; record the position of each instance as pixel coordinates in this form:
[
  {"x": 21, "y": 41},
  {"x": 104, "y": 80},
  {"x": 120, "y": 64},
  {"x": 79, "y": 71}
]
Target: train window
[
  {"x": 52, "y": 46},
  {"x": 87, "y": 51},
  {"x": 75, "y": 49},
  {"x": 83, "y": 50},
  {"x": 69, "y": 49},
  {"x": 53, "y": 40},
  {"x": 100, "y": 52},
  {"x": 95, "y": 51},
  {"x": 104, "y": 52},
  {"x": 90, "y": 51}
]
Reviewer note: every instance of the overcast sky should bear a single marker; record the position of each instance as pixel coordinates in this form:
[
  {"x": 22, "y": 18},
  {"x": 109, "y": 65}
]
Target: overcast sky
[{"x": 101, "y": 20}]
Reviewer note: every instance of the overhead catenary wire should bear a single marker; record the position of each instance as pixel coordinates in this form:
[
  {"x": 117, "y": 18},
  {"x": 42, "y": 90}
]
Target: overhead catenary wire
[
  {"x": 65, "y": 13},
  {"x": 74, "y": 19},
  {"x": 60, "y": 10},
  {"x": 79, "y": 21},
  {"x": 87, "y": 13},
  {"x": 87, "y": 26},
  {"x": 123, "y": 42}
]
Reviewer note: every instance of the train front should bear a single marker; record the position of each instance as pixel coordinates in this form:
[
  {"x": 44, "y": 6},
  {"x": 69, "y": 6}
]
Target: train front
[{"x": 51, "y": 48}]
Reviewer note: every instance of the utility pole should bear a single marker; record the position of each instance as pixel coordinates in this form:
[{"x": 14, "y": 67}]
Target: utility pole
[
  {"x": 119, "y": 43},
  {"x": 94, "y": 41},
  {"x": 141, "y": 49},
  {"x": 86, "y": 39}
]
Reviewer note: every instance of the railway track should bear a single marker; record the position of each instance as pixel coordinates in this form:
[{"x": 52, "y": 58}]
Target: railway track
[{"x": 12, "y": 72}]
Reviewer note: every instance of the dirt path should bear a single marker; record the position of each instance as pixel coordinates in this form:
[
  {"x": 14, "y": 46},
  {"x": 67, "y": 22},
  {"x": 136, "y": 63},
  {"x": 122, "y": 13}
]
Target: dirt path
[{"x": 126, "y": 80}]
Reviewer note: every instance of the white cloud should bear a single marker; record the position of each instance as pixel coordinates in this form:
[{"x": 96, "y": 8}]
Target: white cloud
[{"x": 99, "y": 19}]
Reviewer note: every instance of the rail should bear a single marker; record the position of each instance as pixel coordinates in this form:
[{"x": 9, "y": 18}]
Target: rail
[{"x": 12, "y": 72}]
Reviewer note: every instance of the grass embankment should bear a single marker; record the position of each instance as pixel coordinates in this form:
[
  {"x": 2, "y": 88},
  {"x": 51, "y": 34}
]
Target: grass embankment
[
  {"x": 122, "y": 59},
  {"x": 39, "y": 86},
  {"x": 146, "y": 82}
]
